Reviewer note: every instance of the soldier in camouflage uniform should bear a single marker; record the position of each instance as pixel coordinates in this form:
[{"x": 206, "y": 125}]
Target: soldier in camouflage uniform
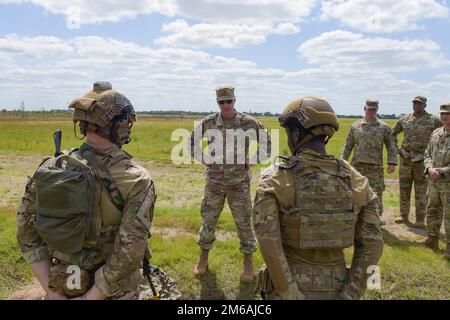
[
  {"x": 228, "y": 178},
  {"x": 311, "y": 207},
  {"x": 437, "y": 166},
  {"x": 114, "y": 234},
  {"x": 366, "y": 138},
  {"x": 417, "y": 128}
]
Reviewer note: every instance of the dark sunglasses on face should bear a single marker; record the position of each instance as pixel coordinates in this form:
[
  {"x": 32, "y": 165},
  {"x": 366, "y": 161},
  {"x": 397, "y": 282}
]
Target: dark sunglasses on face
[{"x": 226, "y": 101}]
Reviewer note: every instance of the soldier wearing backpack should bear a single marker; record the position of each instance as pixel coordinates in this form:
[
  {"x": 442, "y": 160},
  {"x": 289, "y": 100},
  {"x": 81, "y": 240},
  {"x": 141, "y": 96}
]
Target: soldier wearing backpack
[{"x": 85, "y": 217}]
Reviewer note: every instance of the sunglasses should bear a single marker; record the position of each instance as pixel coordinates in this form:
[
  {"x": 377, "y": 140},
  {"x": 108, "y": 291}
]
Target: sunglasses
[{"x": 226, "y": 101}]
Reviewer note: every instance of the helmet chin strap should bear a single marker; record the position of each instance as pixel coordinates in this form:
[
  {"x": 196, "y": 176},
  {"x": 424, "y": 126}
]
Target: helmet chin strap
[
  {"x": 317, "y": 131},
  {"x": 304, "y": 140}
]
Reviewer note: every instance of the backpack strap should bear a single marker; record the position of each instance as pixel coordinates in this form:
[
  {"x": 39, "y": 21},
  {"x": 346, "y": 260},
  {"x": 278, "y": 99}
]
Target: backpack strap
[{"x": 104, "y": 177}]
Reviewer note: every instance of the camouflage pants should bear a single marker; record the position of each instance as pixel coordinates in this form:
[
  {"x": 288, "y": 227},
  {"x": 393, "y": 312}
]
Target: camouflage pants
[
  {"x": 412, "y": 172},
  {"x": 438, "y": 208},
  {"x": 375, "y": 175},
  {"x": 239, "y": 201}
]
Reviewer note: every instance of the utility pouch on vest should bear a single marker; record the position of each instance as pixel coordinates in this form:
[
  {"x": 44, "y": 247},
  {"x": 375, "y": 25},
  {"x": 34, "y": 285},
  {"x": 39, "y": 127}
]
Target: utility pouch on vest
[
  {"x": 70, "y": 280},
  {"x": 335, "y": 230},
  {"x": 65, "y": 203}
]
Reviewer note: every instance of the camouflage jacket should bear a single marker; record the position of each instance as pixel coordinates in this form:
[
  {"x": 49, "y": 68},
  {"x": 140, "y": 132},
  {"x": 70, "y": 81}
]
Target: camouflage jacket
[
  {"x": 367, "y": 140},
  {"x": 437, "y": 154},
  {"x": 276, "y": 193},
  {"x": 123, "y": 234},
  {"x": 417, "y": 133},
  {"x": 230, "y": 166}
]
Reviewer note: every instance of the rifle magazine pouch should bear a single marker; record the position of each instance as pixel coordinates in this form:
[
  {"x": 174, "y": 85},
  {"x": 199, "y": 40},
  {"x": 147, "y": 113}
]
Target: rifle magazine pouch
[{"x": 64, "y": 199}]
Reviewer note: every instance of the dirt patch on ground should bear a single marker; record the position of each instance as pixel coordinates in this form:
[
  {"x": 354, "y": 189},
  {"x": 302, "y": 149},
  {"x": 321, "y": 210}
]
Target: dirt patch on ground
[
  {"x": 11, "y": 190},
  {"x": 176, "y": 187},
  {"x": 401, "y": 231},
  {"x": 404, "y": 232},
  {"x": 33, "y": 291},
  {"x": 14, "y": 172},
  {"x": 168, "y": 232}
]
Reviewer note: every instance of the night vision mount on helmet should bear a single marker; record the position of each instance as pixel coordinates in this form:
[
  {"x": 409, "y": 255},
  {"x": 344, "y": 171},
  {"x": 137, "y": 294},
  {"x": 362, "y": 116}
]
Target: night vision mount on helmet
[{"x": 105, "y": 112}]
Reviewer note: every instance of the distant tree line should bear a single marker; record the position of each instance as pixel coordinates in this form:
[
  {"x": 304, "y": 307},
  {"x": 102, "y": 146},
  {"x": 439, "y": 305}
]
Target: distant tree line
[
  {"x": 43, "y": 111},
  {"x": 185, "y": 113}
]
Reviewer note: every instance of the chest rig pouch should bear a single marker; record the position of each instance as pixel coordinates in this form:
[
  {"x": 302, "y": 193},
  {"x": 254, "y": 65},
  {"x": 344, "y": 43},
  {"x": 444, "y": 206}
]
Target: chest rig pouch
[
  {"x": 323, "y": 217},
  {"x": 65, "y": 190}
]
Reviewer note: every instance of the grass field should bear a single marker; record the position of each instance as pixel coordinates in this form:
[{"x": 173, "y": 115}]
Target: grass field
[{"x": 408, "y": 271}]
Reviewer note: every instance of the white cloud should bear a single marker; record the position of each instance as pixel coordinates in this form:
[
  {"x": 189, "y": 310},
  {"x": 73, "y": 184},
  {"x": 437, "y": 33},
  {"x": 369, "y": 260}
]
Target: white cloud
[
  {"x": 213, "y": 11},
  {"x": 15, "y": 47},
  {"x": 246, "y": 12},
  {"x": 52, "y": 74},
  {"x": 11, "y": 1},
  {"x": 205, "y": 35},
  {"x": 353, "y": 68},
  {"x": 351, "y": 51},
  {"x": 88, "y": 12},
  {"x": 443, "y": 76},
  {"x": 383, "y": 15},
  {"x": 161, "y": 78}
]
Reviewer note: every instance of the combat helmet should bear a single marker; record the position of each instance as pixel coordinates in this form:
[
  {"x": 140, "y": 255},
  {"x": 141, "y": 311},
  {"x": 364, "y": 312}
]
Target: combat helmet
[
  {"x": 105, "y": 112},
  {"x": 314, "y": 114}
]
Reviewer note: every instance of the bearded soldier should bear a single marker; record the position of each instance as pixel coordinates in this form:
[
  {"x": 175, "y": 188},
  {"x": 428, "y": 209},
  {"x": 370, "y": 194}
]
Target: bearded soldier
[
  {"x": 85, "y": 217},
  {"x": 437, "y": 167},
  {"x": 228, "y": 175},
  {"x": 366, "y": 138},
  {"x": 417, "y": 128},
  {"x": 309, "y": 209}
]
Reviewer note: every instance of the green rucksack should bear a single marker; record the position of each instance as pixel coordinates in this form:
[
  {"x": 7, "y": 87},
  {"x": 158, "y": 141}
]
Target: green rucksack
[{"x": 65, "y": 191}]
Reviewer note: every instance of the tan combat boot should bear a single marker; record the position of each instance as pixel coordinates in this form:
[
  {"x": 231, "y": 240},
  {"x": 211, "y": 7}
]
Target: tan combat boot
[
  {"x": 447, "y": 252},
  {"x": 200, "y": 268},
  {"x": 248, "y": 274},
  {"x": 431, "y": 242},
  {"x": 402, "y": 220}
]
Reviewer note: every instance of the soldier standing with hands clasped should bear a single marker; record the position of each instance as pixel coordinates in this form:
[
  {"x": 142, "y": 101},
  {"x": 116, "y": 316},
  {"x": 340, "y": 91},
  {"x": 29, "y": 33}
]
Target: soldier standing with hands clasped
[
  {"x": 311, "y": 207},
  {"x": 437, "y": 167},
  {"x": 417, "y": 128},
  {"x": 87, "y": 213},
  {"x": 366, "y": 138}
]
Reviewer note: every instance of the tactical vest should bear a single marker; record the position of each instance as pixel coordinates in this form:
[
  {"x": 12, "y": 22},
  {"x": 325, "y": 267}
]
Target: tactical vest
[
  {"x": 77, "y": 216},
  {"x": 323, "y": 216}
]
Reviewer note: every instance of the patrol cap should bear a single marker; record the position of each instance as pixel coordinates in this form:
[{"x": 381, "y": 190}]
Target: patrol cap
[
  {"x": 420, "y": 99},
  {"x": 445, "y": 108},
  {"x": 225, "y": 92},
  {"x": 372, "y": 104}
]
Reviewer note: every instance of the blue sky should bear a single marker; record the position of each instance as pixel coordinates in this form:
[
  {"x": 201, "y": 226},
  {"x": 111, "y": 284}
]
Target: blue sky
[{"x": 167, "y": 55}]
